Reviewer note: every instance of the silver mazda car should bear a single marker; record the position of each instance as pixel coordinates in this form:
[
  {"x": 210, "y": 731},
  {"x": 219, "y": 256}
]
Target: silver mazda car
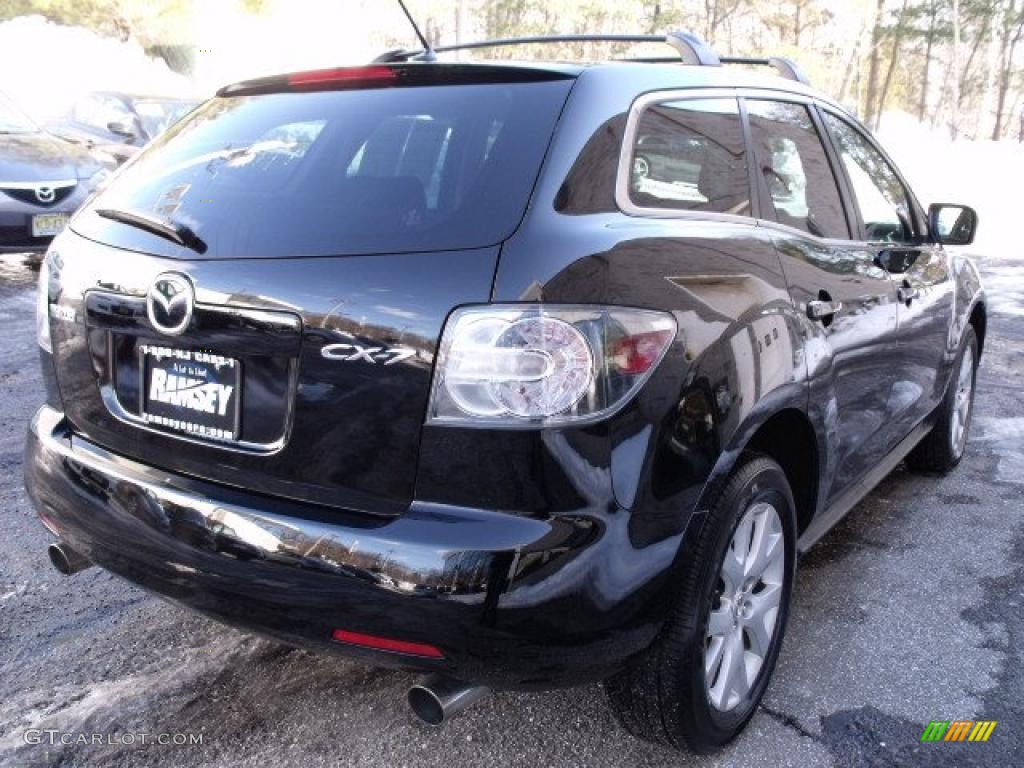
[{"x": 43, "y": 180}]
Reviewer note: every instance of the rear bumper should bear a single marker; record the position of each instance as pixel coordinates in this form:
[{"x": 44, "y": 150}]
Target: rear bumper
[{"x": 511, "y": 601}]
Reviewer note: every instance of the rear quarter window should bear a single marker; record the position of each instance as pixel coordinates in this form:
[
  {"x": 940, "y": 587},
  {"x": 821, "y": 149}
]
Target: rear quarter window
[
  {"x": 689, "y": 155},
  {"x": 342, "y": 172}
]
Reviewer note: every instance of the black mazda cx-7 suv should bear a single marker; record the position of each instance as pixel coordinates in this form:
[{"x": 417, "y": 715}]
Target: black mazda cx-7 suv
[{"x": 408, "y": 362}]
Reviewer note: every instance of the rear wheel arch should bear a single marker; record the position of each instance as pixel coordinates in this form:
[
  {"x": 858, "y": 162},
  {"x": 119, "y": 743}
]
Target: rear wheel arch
[{"x": 788, "y": 437}]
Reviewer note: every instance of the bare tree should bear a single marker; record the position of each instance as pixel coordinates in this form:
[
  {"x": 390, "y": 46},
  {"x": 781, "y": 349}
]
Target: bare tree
[
  {"x": 874, "y": 62},
  {"x": 1011, "y": 33},
  {"x": 894, "y": 55}
]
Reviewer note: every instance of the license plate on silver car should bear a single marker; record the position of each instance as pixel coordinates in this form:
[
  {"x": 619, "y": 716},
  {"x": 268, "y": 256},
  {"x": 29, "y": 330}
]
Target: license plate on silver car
[{"x": 48, "y": 224}]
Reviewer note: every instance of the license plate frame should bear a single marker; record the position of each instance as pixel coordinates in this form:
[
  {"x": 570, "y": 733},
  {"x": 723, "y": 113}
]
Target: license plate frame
[
  {"x": 49, "y": 224},
  {"x": 195, "y": 402}
]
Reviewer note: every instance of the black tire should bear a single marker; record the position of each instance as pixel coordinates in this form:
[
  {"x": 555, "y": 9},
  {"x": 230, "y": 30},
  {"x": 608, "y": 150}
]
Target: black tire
[
  {"x": 937, "y": 451},
  {"x": 662, "y": 696}
]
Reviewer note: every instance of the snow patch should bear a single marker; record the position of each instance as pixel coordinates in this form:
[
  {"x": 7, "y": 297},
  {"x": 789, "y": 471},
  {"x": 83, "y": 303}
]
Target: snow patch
[{"x": 1008, "y": 436}]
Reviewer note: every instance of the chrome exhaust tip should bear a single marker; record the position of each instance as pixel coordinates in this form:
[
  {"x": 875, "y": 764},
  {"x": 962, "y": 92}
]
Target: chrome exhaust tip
[
  {"x": 66, "y": 560},
  {"x": 437, "y": 699}
]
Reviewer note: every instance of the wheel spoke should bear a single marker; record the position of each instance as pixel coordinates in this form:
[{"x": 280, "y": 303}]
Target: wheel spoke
[
  {"x": 735, "y": 669},
  {"x": 767, "y": 546},
  {"x": 760, "y": 621},
  {"x": 729, "y": 672},
  {"x": 713, "y": 659},
  {"x": 733, "y": 569},
  {"x": 720, "y": 622}
]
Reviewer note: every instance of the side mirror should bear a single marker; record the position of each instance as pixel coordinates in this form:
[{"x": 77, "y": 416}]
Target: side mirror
[
  {"x": 121, "y": 128},
  {"x": 952, "y": 224}
]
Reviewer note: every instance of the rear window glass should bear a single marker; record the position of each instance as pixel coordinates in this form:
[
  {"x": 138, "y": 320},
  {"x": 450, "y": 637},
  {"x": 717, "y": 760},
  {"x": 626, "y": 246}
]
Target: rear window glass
[
  {"x": 342, "y": 172},
  {"x": 689, "y": 155}
]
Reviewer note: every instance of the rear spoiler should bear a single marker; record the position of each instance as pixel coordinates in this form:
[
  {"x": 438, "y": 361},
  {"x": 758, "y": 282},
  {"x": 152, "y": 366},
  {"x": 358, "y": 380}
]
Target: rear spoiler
[{"x": 396, "y": 75}]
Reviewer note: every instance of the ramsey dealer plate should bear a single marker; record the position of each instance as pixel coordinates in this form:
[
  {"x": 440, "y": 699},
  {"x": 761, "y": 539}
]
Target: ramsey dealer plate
[{"x": 191, "y": 391}]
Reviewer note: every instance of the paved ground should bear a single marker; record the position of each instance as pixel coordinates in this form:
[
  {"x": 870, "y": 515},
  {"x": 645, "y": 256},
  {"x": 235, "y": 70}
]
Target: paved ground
[{"x": 911, "y": 610}]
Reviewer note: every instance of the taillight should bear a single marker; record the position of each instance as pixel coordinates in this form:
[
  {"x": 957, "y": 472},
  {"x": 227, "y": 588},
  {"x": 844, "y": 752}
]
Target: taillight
[
  {"x": 523, "y": 366},
  {"x": 636, "y": 354}
]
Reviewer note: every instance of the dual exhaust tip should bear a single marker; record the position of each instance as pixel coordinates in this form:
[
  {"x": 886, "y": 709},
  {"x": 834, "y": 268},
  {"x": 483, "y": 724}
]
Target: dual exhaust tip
[
  {"x": 66, "y": 560},
  {"x": 438, "y": 698},
  {"x": 435, "y": 700}
]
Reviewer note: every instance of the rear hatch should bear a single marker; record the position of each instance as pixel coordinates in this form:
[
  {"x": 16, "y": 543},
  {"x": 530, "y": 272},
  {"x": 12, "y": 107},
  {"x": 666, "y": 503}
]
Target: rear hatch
[{"x": 319, "y": 228}]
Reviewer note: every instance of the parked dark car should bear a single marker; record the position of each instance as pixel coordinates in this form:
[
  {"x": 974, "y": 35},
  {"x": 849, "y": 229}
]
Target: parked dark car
[
  {"x": 120, "y": 123},
  {"x": 668, "y": 159},
  {"x": 401, "y": 362},
  {"x": 43, "y": 180}
]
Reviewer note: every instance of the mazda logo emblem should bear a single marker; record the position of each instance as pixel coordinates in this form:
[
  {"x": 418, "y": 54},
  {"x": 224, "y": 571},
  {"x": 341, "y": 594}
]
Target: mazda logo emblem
[
  {"x": 45, "y": 194},
  {"x": 169, "y": 303}
]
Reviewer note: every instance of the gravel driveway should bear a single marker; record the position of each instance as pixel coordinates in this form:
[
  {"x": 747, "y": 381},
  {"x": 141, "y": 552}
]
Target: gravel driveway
[{"x": 911, "y": 610}]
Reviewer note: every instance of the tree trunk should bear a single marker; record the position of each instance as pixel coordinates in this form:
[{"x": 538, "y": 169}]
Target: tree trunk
[
  {"x": 897, "y": 42},
  {"x": 954, "y": 118},
  {"x": 654, "y": 27},
  {"x": 1006, "y": 54},
  {"x": 965, "y": 73},
  {"x": 873, "y": 63},
  {"x": 852, "y": 66},
  {"x": 922, "y": 105}
]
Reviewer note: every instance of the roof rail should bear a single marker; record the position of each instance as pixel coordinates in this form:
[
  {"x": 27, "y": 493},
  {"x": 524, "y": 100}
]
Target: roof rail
[
  {"x": 787, "y": 68},
  {"x": 691, "y": 49}
]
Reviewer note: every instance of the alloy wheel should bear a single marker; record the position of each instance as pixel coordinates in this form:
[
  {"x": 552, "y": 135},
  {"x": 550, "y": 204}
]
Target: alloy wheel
[
  {"x": 962, "y": 402},
  {"x": 745, "y": 607}
]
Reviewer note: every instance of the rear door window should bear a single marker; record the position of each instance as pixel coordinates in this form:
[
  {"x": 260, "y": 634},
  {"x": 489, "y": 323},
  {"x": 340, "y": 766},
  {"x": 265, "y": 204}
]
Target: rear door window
[
  {"x": 689, "y": 155},
  {"x": 342, "y": 172},
  {"x": 794, "y": 167}
]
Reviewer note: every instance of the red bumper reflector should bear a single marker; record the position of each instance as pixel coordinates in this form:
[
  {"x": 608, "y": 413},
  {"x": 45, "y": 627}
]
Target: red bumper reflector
[{"x": 387, "y": 644}]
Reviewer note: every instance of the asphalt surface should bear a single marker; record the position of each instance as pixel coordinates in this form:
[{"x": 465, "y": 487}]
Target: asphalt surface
[{"x": 911, "y": 610}]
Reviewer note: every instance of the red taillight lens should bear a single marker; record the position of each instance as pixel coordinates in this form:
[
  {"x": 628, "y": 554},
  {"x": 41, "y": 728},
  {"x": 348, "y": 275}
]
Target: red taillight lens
[
  {"x": 387, "y": 644},
  {"x": 636, "y": 354},
  {"x": 343, "y": 75}
]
